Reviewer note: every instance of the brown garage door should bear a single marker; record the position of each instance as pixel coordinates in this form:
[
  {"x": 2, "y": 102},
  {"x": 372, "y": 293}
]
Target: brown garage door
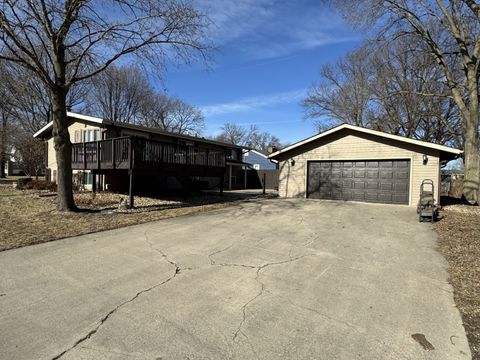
[{"x": 371, "y": 181}]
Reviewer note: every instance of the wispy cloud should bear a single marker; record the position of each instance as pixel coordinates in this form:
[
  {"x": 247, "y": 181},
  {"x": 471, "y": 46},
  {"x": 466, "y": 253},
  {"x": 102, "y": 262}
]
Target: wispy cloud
[
  {"x": 254, "y": 103},
  {"x": 265, "y": 29},
  {"x": 233, "y": 19}
]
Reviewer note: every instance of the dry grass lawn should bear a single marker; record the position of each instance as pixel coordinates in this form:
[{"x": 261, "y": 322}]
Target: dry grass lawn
[
  {"x": 26, "y": 218},
  {"x": 459, "y": 236}
]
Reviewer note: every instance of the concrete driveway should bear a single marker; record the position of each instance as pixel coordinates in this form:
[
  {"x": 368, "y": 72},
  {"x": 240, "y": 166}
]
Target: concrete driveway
[{"x": 271, "y": 279}]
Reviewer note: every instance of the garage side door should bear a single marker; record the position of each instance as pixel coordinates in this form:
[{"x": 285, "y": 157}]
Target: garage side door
[{"x": 385, "y": 181}]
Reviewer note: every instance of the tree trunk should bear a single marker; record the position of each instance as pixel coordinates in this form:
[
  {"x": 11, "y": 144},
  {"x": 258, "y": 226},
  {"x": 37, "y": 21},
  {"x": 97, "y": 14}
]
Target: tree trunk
[
  {"x": 63, "y": 151},
  {"x": 471, "y": 159},
  {"x": 3, "y": 138},
  {"x": 471, "y": 151}
]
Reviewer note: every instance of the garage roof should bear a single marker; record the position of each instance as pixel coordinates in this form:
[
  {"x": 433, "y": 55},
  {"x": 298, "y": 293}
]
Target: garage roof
[{"x": 442, "y": 148}]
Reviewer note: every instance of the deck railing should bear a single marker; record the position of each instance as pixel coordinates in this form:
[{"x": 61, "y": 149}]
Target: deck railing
[{"x": 134, "y": 152}]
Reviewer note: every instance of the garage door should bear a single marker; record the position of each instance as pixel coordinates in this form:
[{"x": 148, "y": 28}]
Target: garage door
[{"x": 371, "y": 181}]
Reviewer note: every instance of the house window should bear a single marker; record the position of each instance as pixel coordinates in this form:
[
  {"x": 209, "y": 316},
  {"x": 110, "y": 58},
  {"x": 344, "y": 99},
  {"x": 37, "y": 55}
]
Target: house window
[
  {"x": 90, "y": 135},
  {"x": 232, "y": 154},
  {"x": 87, "y": 178}
]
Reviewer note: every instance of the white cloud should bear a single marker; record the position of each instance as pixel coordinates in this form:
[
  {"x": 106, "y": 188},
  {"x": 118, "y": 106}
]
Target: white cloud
[
  {"x": 233, "y": 19},
  {"x": 254, "y": 103},
  {"x": 270, "y": 28}
]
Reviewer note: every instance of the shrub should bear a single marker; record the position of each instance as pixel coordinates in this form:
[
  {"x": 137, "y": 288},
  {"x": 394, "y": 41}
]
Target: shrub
[
  {"x": 22, "y": 182},
  {"x": 40, "y": 185}
]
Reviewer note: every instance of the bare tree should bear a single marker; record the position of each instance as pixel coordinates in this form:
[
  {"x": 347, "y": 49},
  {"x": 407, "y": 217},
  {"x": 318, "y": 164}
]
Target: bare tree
[
  {"x": 250, "y": 137},
  {"x": 234, "y": 134},
  {"x": 385, "y": 88},
  {"x": 4, "y": 135},
  {"x": 156, "y": 108},
  {"x": 29, "y": 153},
  {"x": 450, "y": 32},
  {"x": 67, "y": 42},
  {"x": 25, "y": 107},
  {"x": 343, "y": 92},
  {"x": 119, "y": 94},
  {"x": 172, "y": 115},
  {"x": 183, "y": 118},
  {"x": 261, "y": 141},
  {"x": 27, "y": 99}
]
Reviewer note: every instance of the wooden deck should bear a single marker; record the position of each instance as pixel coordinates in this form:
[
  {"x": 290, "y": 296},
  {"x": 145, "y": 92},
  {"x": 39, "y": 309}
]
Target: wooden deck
[{"x": 142, "y": 154}]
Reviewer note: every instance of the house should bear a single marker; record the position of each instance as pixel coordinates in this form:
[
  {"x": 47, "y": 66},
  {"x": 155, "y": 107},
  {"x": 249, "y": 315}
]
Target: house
[
  {"x": 259, "y": 161},
  {"x": 113, "y": 156},
  {"x": 12, "y": 168},
  {"x": 263, "y": 171},
  {"x": 353, "y": 163},
  {"x": 247, "y": 172}
]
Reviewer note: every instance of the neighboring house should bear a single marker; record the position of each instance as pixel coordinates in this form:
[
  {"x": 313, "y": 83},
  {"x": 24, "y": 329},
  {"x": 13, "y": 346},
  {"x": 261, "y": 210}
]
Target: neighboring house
[
  {"x": 354, "y": 163},
  {"x": 111, "y": 155},
  {"x": 13, "y": 169},
  {"x": 247, "y": 172},
  {"x": 259, "y": 161}
]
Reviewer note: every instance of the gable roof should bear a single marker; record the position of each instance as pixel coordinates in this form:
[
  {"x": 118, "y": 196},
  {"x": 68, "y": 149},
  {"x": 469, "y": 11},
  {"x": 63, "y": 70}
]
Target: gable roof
[
  {"x": 44, "y": 131},
  {"x": 257, "y": 152},
  {"x": 260, "y": 154},
  {"x": 425, "y": 144}
]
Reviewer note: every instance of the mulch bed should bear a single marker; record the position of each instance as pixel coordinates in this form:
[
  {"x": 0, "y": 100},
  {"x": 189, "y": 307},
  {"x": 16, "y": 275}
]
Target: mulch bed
[{"x": 459, "y": 242}]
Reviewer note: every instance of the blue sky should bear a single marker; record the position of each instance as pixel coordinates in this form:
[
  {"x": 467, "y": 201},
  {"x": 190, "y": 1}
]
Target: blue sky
[{"x": 270, "y": 53}]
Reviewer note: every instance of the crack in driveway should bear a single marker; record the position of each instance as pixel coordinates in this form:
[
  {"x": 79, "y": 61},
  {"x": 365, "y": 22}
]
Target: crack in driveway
[
  {"x": 111, "y": 312},
  {"x": 259, "y": 269},
  {"x": 138, "y": 294},
  {"x": 262, "y": 289}
]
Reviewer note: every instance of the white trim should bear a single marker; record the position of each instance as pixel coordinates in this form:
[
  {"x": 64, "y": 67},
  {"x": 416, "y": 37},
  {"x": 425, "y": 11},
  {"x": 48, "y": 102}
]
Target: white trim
[
  {"x": 49, "y": 125},
  {"x": 72, "y": 115},
  {"x": 85, "y": 117},
  {"x": 258, "y": 153},
  {"x": 368, "y": 131}
]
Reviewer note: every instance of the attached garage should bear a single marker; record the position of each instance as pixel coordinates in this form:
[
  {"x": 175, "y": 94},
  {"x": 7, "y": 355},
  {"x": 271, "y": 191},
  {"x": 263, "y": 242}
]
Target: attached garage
[{"x": 358, "y": 164}]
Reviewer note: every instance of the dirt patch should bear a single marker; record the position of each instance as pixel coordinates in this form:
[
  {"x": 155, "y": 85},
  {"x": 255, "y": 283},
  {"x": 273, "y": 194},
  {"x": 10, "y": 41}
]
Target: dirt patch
[
  {"x": 459, "y": 237},
  {"x": 28, "y": 218}
]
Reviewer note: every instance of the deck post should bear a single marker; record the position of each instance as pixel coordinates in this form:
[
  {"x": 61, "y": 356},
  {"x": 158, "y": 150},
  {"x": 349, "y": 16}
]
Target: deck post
[
  {"x": 113, "y": 153},
  {"x": 222, "y": 180},
  {"x": 264, "y": 183},
  {"x": 84, "y": 156},
  {"x": 98, "y": 155},
  {"x": 131, "y": 152},
  {"x": 130, "y": 170},
  {"x": 186, "y": 188},
  {"x": 229, "y": 177},
  {"x": 245, "y": 177},
  {"x": 94, "y": 182},
  {"x": 130, "y": 190}
]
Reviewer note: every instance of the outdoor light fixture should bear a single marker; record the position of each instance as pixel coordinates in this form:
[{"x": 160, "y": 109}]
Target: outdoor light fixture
[
  {"x": 292, "y": 162},
  {"x": 425, "y": 159}
]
